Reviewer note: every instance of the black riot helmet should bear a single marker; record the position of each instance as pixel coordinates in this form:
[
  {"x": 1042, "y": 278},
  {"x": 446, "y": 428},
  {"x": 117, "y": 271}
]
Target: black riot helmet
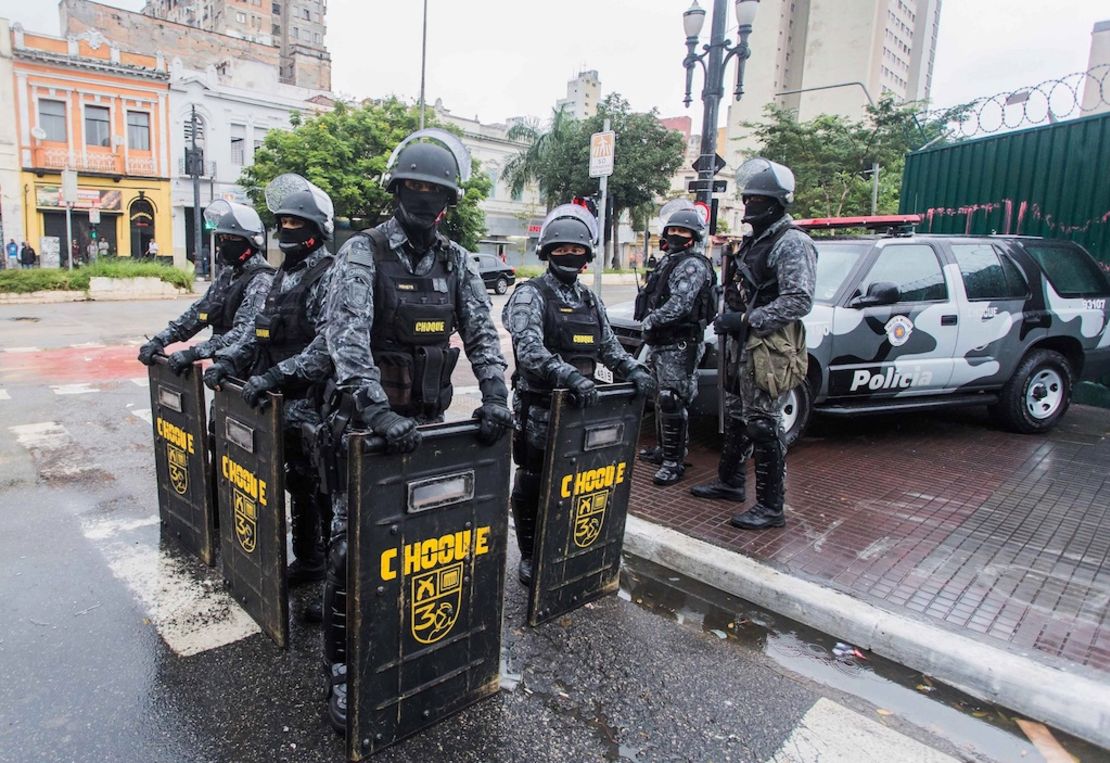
[
  {"x": 290, "y": 194},
  {"x": 430, "y": 156},
  {"x": 567, "y": 224},
  {"x": 688, "y": 219},
  {"x": 762, "y": 177},
  {"x": 234, "y": 219}
]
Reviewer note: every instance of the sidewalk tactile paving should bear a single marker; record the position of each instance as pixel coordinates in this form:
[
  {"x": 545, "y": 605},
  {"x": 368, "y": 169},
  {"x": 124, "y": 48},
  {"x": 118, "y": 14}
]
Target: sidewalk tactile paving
[{"x": 1002, "y": 535}]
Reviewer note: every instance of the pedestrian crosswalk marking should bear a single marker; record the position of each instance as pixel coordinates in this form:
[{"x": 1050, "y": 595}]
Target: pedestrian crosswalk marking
[
  {"x": 145, "y": 414},
  {"x": 45, "y": 435},
  {"x": 141, "y": 381},
  {"x": 831, "y": 732},
  {"x": 83, "y": 388},
  {"x": 4, "y": 395},
  {"x": 22, "y": 349}
]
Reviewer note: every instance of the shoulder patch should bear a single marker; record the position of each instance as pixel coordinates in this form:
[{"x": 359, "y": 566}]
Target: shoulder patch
[{"x": 358, "y": 293}]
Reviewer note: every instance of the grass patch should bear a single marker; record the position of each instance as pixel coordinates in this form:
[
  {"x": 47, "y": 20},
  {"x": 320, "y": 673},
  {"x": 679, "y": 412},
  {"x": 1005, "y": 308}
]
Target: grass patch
[{"x": 49, "y": 279}]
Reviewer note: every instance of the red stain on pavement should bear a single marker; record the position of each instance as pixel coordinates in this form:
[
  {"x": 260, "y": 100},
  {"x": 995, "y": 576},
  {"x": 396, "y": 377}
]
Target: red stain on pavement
[{"x": 69, "y": 365}]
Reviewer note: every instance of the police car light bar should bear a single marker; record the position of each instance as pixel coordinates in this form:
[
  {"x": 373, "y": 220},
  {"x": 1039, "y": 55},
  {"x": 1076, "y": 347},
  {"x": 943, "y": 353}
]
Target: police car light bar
[{"x": 871, "y": 222}]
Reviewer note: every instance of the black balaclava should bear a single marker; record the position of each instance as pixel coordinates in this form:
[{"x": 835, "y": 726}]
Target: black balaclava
[
  {"x": 762, "y": 212},
  {"x": 419, "y": 213},
  {"x": 566, "y": 267},
  {"x": 297, "y": 243},
  {"x": 234, "y": 250},
  {"x": 677, "y": 243}
]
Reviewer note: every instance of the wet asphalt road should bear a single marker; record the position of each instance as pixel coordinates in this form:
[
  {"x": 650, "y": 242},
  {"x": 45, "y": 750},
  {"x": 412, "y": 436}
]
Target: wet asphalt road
[{"x": 114, "y": 648}]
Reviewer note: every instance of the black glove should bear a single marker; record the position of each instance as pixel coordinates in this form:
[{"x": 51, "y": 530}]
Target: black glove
[
  {"x": 643, "y": 381},
  {"x": 400, "y": 432},
  {"x": 215, "y": 375},
  {"x": 583, "y": 392},
  {"x": 182, "y": 360},
  {"x": 254, "y": 391},
  {"x": 149, "y": 350},
  {"x": 494, "y": 417},
  {"x": 728, "y": 323}
]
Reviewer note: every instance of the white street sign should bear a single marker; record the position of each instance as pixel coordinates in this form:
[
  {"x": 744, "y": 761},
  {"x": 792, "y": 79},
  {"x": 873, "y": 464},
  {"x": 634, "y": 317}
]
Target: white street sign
[
  {"x": 69, "y": 186},
  {"x": 94, "y": 216},
  {"x": 602, "y": 146}
]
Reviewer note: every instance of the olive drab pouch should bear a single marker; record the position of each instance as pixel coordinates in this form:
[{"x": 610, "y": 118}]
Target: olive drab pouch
[{"x": 779, "y": 360}]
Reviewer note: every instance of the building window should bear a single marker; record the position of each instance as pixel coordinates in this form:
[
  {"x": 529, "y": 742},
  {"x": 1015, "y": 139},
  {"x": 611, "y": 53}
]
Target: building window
[
  {"x": 238, "y": 144},
  {"x": 138, "y": 130},
  {"x": 97, "y": 126},
  {"x": 52, "y": 119},
  {"x": 277, "y": 9},
  {"x": 241, "y": 18}
]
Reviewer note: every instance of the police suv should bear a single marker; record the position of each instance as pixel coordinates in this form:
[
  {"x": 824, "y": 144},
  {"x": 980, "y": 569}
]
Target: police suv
[{"x": 905, "y": 321}]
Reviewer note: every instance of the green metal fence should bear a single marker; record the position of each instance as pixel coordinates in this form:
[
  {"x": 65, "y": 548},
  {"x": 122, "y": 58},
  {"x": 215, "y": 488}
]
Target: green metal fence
[{"x": 1051, "y": 181}]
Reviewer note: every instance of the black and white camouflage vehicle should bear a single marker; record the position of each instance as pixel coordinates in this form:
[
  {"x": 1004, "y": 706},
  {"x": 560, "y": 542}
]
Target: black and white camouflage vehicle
[{"x": 911, "y": 322}]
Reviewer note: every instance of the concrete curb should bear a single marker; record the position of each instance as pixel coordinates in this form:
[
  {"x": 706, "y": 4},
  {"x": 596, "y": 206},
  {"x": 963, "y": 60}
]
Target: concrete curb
[
  {"x": 1074, "y": 703},
  {"x": 102, "y": 290}
]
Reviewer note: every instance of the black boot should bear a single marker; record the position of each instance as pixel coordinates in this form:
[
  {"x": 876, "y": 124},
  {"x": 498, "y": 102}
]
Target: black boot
[
  {"x": 674, "y": 448},
  {"x": 731, "y": 469},
  {"x": 335, "y": 633},
  {"x": 770, "y": 489},
  {"x": 525, "y": 503},
  {"x": 308, "y": 548}
]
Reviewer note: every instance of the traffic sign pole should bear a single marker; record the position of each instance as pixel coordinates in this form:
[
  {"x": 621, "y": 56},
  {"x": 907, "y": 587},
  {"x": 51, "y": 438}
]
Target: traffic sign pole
[{"x": 601, "y": 164}]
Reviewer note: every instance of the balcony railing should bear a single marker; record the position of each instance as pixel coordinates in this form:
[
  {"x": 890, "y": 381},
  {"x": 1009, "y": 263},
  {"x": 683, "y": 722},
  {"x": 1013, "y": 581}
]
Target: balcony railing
[{"x": 111, "y": 163}]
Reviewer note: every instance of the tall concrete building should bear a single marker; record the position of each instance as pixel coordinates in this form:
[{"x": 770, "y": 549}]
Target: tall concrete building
[
  {"x": 888, "y": 46},
  {"x": 296, "y": 27},
  {"x": 583, "y": 94},
  {"x": 1096, "y": 88}
]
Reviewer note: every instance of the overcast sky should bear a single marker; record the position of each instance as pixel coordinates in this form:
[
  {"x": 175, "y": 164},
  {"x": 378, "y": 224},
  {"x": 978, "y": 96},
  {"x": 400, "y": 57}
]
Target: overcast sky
[{"x": 500, "y": 58}]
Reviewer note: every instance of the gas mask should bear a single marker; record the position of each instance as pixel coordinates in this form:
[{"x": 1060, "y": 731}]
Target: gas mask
[
  {"x": 566, "y": 267},
  {"x": 233, "y": 250}
]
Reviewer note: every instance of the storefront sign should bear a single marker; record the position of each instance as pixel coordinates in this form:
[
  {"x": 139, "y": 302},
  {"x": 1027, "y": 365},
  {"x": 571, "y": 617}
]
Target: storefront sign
[{"x": 50, "y": 197}]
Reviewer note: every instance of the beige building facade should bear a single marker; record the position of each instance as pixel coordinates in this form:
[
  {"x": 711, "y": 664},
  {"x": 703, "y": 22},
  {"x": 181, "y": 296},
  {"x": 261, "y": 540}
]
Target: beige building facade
[
  {"x": 1096, "y": 88},
  {"x": 870, "y": 48},
  {"x": 583, "y": 94}
]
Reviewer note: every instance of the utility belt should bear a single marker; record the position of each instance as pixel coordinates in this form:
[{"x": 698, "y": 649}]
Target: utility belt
[{"x": 664, "y": 335}]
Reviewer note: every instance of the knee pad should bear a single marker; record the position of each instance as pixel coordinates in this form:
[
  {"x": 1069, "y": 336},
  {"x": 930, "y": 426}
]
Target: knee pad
[
  {"x": 670, "y": 402},
  {"x": 763, "y": 430}
]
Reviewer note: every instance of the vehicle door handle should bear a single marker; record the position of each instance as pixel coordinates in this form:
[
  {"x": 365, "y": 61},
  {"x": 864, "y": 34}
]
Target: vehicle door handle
[{"x": 948, "y": 320}]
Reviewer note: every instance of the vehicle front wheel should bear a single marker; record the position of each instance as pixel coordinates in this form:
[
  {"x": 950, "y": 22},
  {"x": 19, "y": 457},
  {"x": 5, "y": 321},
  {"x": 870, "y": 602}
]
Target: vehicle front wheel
[
  {"x": 796, "y": 411},
  {"x": 501, "y": 286},
  {"x": 1037, "y": 395}
]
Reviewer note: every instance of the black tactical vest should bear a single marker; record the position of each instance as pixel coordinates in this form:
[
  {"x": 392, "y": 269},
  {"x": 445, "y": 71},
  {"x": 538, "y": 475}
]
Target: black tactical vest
[
  {"x": 414, "y": 318},
  {"x": 572, "y": 333},
  {"x": 218, "y": 311},
  {"x": 754, "y": 259},
  {"x": 658, "y": 290},
  {"x": 282, "y": 328}
]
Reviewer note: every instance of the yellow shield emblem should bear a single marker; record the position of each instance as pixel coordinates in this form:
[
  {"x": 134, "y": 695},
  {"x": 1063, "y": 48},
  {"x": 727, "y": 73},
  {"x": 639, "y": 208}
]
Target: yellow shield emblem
[
  {"x": 246, "y": 521},
  {"x": 436, "y": 600},
  {"x": 589, "y": 516},
  {"x": 178, "y": 463}
]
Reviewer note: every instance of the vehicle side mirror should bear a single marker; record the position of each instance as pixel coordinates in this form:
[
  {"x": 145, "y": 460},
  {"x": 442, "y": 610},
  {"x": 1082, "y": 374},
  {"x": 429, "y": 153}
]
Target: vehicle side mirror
[{"x": 878, "y": 293}]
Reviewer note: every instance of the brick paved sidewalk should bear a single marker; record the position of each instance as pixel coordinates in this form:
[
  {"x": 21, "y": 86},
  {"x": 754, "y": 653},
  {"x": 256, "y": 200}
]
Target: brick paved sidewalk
[{"x": 942, "y": 517}]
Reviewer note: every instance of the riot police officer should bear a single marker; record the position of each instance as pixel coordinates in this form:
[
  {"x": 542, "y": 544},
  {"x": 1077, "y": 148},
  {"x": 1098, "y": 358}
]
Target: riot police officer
[
  {"x": 674, "y": 308},
  {"x": 274, "y": 357},
  {"x": 397, "y": 294},
  {"x": 560, "y": 333},
  {"x": 235, "y": 296},
  {"x": 768, "y": 289}
]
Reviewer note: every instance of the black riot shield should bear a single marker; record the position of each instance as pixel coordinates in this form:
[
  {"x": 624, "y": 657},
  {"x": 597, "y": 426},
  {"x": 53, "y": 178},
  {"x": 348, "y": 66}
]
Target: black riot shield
[
  {"x": 250, "y": 483},
  {"x": 587, "y": 477},
  {"x": 181, "y": 459},
  {"x": 426, "y": 573}
]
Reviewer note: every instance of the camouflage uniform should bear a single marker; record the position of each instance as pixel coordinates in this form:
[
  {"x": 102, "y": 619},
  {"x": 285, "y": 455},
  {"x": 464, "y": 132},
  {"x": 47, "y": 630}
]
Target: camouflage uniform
[
  {"x": 523, "y": 316},
  {"x": 781, "y": 260},
  {"x": 189, "y": 324}
]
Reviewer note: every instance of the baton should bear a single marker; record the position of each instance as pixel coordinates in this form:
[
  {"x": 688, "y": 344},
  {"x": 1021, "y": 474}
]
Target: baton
[{"x": 721, "y": 342}]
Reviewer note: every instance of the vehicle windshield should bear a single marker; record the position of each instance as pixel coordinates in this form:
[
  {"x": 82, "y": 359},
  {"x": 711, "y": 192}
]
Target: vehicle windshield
[{"x": 835, "y": 260}]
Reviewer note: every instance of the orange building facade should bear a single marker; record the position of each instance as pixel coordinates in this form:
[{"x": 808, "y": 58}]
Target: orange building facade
[{"x": 83, "y": 104}]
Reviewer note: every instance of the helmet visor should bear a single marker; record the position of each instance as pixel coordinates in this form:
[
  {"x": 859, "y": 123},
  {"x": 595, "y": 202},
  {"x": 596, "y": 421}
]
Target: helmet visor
[
  {"x": 576, "y": 212},
  {"x": 283, "y": 186}
]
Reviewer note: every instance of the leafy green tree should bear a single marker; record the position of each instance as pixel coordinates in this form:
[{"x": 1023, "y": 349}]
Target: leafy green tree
[
  {"x": 558, "y": 159},
  {"x": 345, "y": 152},
  {"x": 831, "y": 156}
]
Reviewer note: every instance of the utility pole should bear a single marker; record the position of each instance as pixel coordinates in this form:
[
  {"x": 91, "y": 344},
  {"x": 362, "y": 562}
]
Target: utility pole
[
  {"x": 195, "y": 167},
  {"x": 602, "y": 208},
  {"x": 423, "y": 63}
]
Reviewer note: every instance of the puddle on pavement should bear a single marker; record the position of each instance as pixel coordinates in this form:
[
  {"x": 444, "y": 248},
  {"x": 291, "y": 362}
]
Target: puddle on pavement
[{"x": 978, "y": 729}]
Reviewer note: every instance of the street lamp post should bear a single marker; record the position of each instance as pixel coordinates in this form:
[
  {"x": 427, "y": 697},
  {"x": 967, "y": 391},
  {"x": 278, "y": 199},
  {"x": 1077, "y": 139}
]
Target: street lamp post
[{"x": 714, "y": 60}]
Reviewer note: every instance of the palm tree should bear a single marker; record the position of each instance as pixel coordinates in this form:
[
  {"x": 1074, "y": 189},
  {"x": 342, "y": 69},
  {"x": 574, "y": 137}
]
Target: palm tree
[{"x": 542, "y": 146}]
